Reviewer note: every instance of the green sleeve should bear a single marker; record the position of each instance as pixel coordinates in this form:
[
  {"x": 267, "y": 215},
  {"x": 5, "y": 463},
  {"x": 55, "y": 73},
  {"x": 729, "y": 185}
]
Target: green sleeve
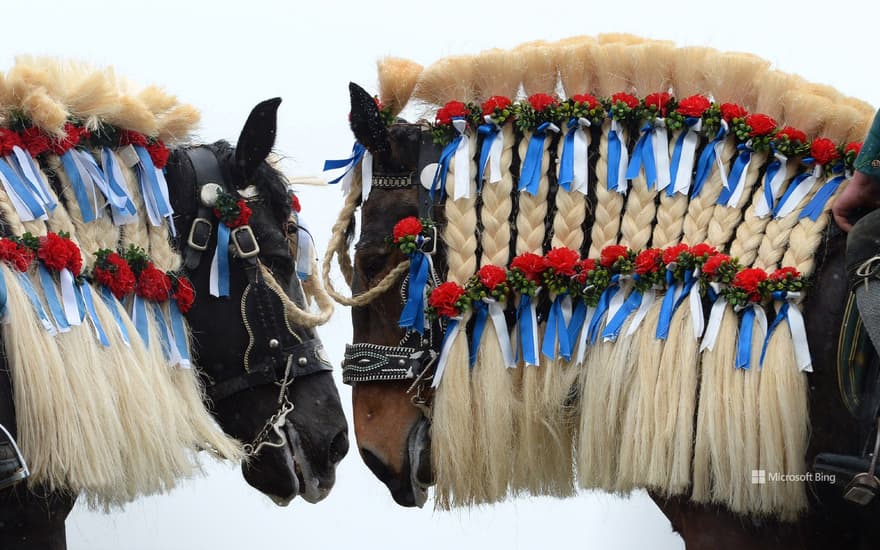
[{"x": 868, "y": 160}]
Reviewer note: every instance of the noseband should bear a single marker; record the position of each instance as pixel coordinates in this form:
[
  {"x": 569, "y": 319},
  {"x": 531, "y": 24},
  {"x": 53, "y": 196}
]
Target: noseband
[{"x": 275, "y": 354}]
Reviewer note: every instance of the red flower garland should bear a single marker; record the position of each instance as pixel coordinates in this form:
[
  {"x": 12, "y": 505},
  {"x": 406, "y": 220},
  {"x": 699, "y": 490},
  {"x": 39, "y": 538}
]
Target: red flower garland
[
  {"x": 130, "y": 137},
  {"x": 732, "y": 111},
  {"x": 611, "y": 254},
  {"x": 495, "y": 104},
  {"x": 453, "y": 109},
  {"x": 184, "y": 294},
  {"x": 694, "y": 106},
  {"x": 749, "y": 281},
  {"x": 648, "y": 261},
  {"x": 562, "y": 260},
  {"x": 35, "y": 141},
  {"x": 760, "y": 124},
  {"x": 630, "y": 100},
  {"x": 540, "y": 102},
  {"x": 824, "y": 151},
  {"x": 16, "y": 254},
  {"x": 72, "y": 136},
  {"x": 531, "y": 266},
  {"x": 658, "y": 101},
  {"x": 158, "y": 153},
  {"x": 587, "y": 100},
  {"x": 8, "y": 140},
  {"x": 59, "y": 252},
  {"x": 446, "y": 299},
  {"x": 153, "y": 284},
  {"x": 490, "y": 276},
  {"x": 112, "y": 271}
]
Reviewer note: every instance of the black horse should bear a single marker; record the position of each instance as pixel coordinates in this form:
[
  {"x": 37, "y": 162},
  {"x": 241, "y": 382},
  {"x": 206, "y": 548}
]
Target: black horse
[{"x": 258, "y": 369}]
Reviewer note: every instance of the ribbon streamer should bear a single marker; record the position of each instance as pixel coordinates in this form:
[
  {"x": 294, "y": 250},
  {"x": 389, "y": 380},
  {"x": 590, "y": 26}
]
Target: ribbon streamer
[
  {"x": 219, "y": 276},
  {"x": 31, "y": 293},
  {"x": 496, "y": 313},
  {"x": 660, "y": 143},
  {"x": 733, "y": 191},
  {"x": 443, "y": 167},
  {"x": 462, "y": 189},
  {"x": 140, "y": 320},
  {"x": 576, "y": 323},
  {"x": 72, "y": 310},
  {"x": 122, "y": 207},
  {"x": 773, "y": 180},
  {"x": 530, "y": 174},
  {"x": 556, "y": 331},
  {"x": 27, "y": 206},
  {"x": 113, "y": 305},
  {"x": 711, "y": 155},
  {"x": 481, "y": 314},
  {"x": 753, "y": 315},
  {"x": 492, "y": 141},
  {"x": 89, "y": 302},
  {"x": 601, "y": 310},
  {"x": 643, "y": 158},
  {"x": 683, "y": 154},
  {"x": 792, "y": 314},
  {"x": 413, "y": 315},
  {"x": 154, "y": 189},
  {"x": 719, "y": 306},
  {"x": 452, "y": 330},
  {"x": 357, "y": 154},
  {"x": 55, "y": 308},
  {"x": 581, "y": 346},
  {"x": 31, "y": 172},
  {"x": 527, "y": 327},
  {"x": 648, "y": 299},
  {"x": 574, "y": 165},
  {"x": 169, "y": 350},
  {"x": 614, "y": 326},
  {"x": 816, "y": 206},
  {"x": 800, "y": 187},
  {"x": 82, "y": 184},
  {"x": 618, "y": 160},
  {"x": 178, "y": 333}
]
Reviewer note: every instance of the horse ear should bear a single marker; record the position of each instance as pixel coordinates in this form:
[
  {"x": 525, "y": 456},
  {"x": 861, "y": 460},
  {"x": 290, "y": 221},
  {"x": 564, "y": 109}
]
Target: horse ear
[
  {"x": 366, "y": 122},
  {"x": 257, "y": 137}
]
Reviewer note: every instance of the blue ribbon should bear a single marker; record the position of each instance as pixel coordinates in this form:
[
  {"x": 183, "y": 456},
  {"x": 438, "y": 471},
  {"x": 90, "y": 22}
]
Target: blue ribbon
[
  {"x": 357, "y": 153},
  {"x": 164, "y": 331},
  {"x": 566, "y": 161},
  {"x": 613, "y": 327},
  {"x": 578, "y": 316},
  {"x": 443, "y": 167},
  {"x": 113, "y": 306},
  {"x": 178, "y": 329},
  {"x": 643, "y": 155},
  {"x": 22, "y": 190},
  {"x": 772, "y": 169},
  {"x": 794, "y": 185},
  {"x": 614, "y": 151},
  {"x": 676, "y": 153},
  {"x": 705, "y": 162},
  {"x": 3, "y": 295},
  {"x": 783, "y": 314},
  {"x": 744, "y": 345},
  {"x": 556, "y": 331},
  {"x": 489, "y": 132},
  {"x": 86, "y": 292},
  {"x": 530, "y": 174},
  {"x": 816, "y": 206},
  {"x": 152, "y": 184},
  {"x": 601, "y": 308},
  {"x": 51, "y": 205},
  {"x": 141, "y": 323},
  {"x": 79, "y": 186},
  {"x": 527, "y": 346},
  {"x": 34, "y": 299},
  {"x": 413, "y": 314},
  {"x": 55, "y": 308},
  {"x": 670, "y": 303},
  {"x": 118, "y": 188},
  {"x": 481, "y": 313},
  {"x": 222, "y": 253},
  {"x": 745, "y": 154}
]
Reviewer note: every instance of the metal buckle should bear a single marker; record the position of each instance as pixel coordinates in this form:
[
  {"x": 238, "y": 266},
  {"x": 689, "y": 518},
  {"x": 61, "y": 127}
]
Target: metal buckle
[
  {"x": 245, "y": 242},
  {"x": 12, "y": 457},
  {"x": 430, "y": 241},
  {"x": 199, "y": 234}
]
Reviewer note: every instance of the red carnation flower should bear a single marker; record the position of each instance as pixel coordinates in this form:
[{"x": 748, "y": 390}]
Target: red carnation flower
[
  {"x": 54, "y": 251},
  {"x": 530, "y": 264},
  {"x": 244, "y": 215},
  {"x": 294, "y": 203},
  {"x": 72, "y": 136},
  {"x": 749, "y": 280},
  {"x": 491, "y": 276},
  {"x": 153, "y": 284},
  {"x": 407, "y": 227},
  {"x": 730, "y": 111},
  {"x": 495, "y": 103},
  {"x": 611, "y": 254},
  {"x": 703, "y": 251},
  {"x": 824, "y": 151},
  {"x": 444, "y": 299},
  {"x": 710, "y": 268},
  {"x": 760, "y": 124},
  {"x": 35, "y": 141},
  {"x": 631, "y": 101},
  {"x": 453, "y": 109},
  {"x": 648, "y": 261},
  {"x": 586, "y": 99},
  {"x": 8, "y": 140},
  {"x": 670, "y": 254},
  {"x": 74, "y": 258},
  {"x": 158, "y": 153},
  {"x": 130, "y": 137},
  {"x": 114, "y": 273},
  {"x": 784, "y": 273},
  {"x": 184, "y": 295},
  {"x": 854, "y": 147},
  {"x": 17, "y": 255},
  {"x": 584, "y": 267},
  {"x": 793, "y": 134},
  {"x": 539, "y": 102},
  {"x": 694, "y": 106},
  {"x": 658, "y": 100},
  {"x": 562, "y": 260}
]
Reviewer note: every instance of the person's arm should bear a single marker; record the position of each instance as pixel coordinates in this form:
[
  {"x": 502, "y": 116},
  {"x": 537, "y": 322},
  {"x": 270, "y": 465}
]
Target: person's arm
[{"x": 863, "y": 190}]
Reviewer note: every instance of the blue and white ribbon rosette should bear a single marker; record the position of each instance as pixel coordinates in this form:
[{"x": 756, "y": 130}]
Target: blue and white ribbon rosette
[
  {"x": 530, "y": 171},
  {"x": 490, "y": 151},
  {"x": 528, "y": 337},
  {"x": 359, "y": 156},
  {"x": 651, "y": 154},
  {"x": 487, "y": 309},
  {"x": 412, "y": 317},
  {"x": 459, "y": 150},
  {"x": 790, "y": 312},
  {"x": 574, "y": 162},
  {"x": 683, "y": 156}
]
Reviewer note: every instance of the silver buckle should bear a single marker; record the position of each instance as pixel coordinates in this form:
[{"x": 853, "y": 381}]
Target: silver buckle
[
  {"x": 199, "y": 234},
  {"x": 432, "y": 241},
  {"x": 245, "y": 242}
]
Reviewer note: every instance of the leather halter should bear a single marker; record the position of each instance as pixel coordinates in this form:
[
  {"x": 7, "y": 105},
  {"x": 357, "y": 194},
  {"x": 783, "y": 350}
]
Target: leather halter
[
  {"x": 275, "y": 353},
  {"x": 415, "y": 357}
]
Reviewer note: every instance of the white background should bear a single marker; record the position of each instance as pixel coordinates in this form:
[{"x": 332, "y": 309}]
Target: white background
[{"x": 224, "y": 57}]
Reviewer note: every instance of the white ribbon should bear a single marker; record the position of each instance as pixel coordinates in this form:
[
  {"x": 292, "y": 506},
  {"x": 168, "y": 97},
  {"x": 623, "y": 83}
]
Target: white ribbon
[
  {"x": 719, "y": 162},
  {"x": 24, "y": 213},
  {"x": 762, "y": 209},
  {"x": 118, "y": 202},
  {"x": 622, "y": 182},
  {"x": 715, "y": 317},
  {"x": 617, "y": 300},
  {"x": 798, "y": 333},
  {"x": 684, "y": 176},
  {"x": 800, "y": 192},
  {"x": 462, "y": 188},
  {"x": 696, "y": 305},
  {"x": 648, "y": 299},
  {"x": 68, "y": 298},
  {"x": 91, "y": 185},
  {"x": 163, "y": 188},
  {"x": 733, "y": 201},
  {"x": 366, "y": 176},
  {"x": 581, "y": 352},
  {"x": 581, "y": 174},
  {"x": 444, "y": 353},
  {"x": 29, "y": 171},
  {"x": 495, "y": 152},
  {"x": 496, "y": 313},
  {"x": 660, "y": 145},
  {"x": 534, "y": 328},
  {"x": 761, "y": 320}
]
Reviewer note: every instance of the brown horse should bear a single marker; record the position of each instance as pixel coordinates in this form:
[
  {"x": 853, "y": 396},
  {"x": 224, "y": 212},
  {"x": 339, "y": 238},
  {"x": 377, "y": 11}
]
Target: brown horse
[{"x": 392, "y": 413}]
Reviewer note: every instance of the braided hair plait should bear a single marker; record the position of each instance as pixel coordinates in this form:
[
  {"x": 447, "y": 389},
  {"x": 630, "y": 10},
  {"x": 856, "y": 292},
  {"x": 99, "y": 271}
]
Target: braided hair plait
[
  {"x": 725, "y": 219},
  {"x": 609, "y": 203},
  {"x": 702, "y": 207}
]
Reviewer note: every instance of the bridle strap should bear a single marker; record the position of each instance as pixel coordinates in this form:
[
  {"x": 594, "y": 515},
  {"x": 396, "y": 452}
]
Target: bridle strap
[
  {"x": 206, "y": 169},
  {"x": 367, "y": 362}
]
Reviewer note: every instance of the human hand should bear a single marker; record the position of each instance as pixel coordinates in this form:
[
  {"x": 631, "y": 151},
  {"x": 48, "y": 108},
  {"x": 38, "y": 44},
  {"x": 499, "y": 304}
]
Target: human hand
[{"x": 862, "y": 192}]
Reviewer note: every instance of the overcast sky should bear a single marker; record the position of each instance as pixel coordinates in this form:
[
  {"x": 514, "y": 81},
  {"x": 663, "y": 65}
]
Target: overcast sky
[{"x": 224, "y": 57}]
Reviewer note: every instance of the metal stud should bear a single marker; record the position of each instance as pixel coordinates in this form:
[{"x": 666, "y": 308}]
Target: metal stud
[
  {"x": 273, "y": 343},
  {"x": 401, "y": 362},
  {"x": 302, "y": 361}
]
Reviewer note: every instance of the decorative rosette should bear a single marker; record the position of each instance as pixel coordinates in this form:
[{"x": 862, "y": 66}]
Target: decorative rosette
[
  {"x": 406, "y": 233},
  {"x": 649, "y": 271},
  {"x": 735, "y": 117},
  {"x": 488, "y": 290},
  {"x": 151, "y": 283},
  {"x": 536, "y": 111},
  {"x": 656, "y": 105},
  {"x": 749, "y": 286},
  {"x": 622, "y": 107},
  {"x": 16, "y": 254},
  {"x": 443, "y": 130},
  {"x": 836, "y": 166},
  {"x": 719, "y": 269},
  {"x": 791, "y": 142},
  {"x": 560, "y": 268},
  {"x": 786, "y": 285},
  {"x": 525, "y": 276},
  {"x": 617, "y": 259},
  {"x": 558, "y": 276},
  {"x": 231, "y": 211},
  {"x": 35, "y": 141},
  {"x": 580, "y": 113},
  {"x": 849, "y": 153},
  {"x": 694, "y": 107},
  {"x": 182, "y": 292},
  {"x": 583, "y": 106},
  {"x": 592, "y": 279},
  {"x": 761, "y": 130},
  {"x": 448, "y": 300},
  {"x": 526, "y": 272},
  {"x": 113, "y": 272},
  {"x": 824, "y": 152},
  {"x": 489, "y": 282},
  {"x": 498, "y": 109},
  {"x": 73, "y": 134}
]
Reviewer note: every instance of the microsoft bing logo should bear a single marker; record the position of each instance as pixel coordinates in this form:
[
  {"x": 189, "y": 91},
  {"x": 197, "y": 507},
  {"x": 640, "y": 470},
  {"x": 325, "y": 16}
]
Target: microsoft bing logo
[{"x": 759, "y": 477}]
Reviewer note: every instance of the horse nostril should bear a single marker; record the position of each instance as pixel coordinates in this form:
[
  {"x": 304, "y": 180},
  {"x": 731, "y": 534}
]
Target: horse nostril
[{"x": 338, "y": 447}]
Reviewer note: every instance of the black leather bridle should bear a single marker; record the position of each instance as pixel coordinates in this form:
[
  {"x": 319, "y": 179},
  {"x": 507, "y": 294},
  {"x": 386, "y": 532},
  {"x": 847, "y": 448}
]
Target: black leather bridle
[{"x": 275, "y": 354}]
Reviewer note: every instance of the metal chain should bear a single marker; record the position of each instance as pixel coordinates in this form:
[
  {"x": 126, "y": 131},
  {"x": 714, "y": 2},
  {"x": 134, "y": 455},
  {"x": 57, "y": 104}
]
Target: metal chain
[{"x": 276, "y": 422}]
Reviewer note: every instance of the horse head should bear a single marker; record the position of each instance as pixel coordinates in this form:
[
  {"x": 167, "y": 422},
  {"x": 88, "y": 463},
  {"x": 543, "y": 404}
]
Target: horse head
[{"x": 268, "y": 377}]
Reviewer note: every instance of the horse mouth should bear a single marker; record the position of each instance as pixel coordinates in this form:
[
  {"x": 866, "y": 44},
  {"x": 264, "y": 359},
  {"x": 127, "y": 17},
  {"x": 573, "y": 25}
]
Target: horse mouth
[
  {"x": 419, "y": 454},
  {"x": 310, "y": 487}
]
